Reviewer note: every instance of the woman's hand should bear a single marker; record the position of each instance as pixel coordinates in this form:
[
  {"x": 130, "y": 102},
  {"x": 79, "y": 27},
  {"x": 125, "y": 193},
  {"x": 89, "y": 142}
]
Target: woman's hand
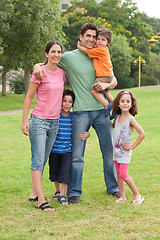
[{"x": 25, "y": 128}]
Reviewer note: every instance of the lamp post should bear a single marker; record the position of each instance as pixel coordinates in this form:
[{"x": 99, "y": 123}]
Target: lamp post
[
  {"x": 140, "y": 60},
  {"x": 153, "y": 40}
]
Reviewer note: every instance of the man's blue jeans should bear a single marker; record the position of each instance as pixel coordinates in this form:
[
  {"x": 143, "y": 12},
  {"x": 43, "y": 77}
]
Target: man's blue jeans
[{"x": 81, "y": 122}]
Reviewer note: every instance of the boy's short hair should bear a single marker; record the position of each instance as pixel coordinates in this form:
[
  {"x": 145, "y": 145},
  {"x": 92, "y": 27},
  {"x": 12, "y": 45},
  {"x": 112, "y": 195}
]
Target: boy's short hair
[
  {"x": 88, "y": 26},
  {"x": 106, "y": 33},
  {"x": 68, "y": 92}
]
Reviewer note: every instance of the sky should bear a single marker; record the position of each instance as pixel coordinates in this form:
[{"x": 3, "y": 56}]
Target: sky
[{"x": 150, "y": 7}]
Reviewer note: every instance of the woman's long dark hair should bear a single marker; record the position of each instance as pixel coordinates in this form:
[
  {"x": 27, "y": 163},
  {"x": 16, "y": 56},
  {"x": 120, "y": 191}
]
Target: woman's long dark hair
[{"x": 49, "y": 45}]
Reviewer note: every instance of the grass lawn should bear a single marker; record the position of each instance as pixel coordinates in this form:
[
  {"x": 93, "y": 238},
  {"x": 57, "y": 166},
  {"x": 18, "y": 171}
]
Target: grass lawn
[
  {"x": 97, "y": 216},
  {"x": 13, "y": 101}
]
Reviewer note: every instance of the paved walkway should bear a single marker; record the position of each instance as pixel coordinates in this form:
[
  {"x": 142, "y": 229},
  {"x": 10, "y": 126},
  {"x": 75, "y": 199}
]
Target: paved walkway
[{"x": 11, "y": 112}]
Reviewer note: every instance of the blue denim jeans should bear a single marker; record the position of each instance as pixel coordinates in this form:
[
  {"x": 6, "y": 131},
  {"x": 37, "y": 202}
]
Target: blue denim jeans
[
  {"x": 42, "y": 134},
  {"x": 81, "y": 122}
]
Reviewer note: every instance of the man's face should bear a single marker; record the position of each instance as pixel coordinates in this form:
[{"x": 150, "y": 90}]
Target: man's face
[{"x": 88, "y": 40}]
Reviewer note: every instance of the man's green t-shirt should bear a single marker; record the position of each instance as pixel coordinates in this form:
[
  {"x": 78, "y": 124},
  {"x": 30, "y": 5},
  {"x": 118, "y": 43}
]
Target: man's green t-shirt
[{"x": 81, "y": 76}]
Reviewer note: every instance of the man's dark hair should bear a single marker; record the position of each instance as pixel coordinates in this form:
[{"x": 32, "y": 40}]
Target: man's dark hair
[{"x": 88, "y": 26}]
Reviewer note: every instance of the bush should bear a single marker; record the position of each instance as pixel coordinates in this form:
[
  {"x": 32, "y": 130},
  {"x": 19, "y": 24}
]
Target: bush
[
  {"x": 147, "y": 80},
  {"x": 17, "y": 82}
]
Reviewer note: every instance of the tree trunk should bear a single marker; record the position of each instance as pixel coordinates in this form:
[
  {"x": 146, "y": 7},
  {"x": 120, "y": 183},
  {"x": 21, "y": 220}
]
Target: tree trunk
[
  {"x": 26, "y": 78},
  {"x": 4, "y": 82}
]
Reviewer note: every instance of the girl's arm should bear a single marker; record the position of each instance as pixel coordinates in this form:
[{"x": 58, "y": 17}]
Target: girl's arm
[
  {"x": 80, "y": 47},
  {"x": 109, "y": 97},
  {"x": 141, "y": 136},
  {"x": 84, "y": 136},
  {"x": 27, "y": 104}
]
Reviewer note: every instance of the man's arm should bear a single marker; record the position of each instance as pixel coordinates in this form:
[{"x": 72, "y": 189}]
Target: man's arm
[
  {"x": 37, "y": 70},
  {"x": 99, "y": 86}
]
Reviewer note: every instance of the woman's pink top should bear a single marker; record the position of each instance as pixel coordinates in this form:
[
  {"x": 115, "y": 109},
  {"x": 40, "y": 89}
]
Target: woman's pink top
[{"x": 49, "y": 94}]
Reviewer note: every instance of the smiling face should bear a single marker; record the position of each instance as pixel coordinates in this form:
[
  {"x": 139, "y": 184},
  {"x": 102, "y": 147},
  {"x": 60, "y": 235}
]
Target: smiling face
[
  {"x": 67, "y": 104},
  {"x": 125, "y": 102},
  {"x": 102, "y": 41},
  {"x": 88, "y": 40},
  {"x": 54, "y": 54}
]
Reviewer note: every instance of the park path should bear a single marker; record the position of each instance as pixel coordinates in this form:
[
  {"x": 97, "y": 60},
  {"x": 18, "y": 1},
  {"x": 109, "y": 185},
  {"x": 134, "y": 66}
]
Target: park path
[{"x": 11, "y": 112}]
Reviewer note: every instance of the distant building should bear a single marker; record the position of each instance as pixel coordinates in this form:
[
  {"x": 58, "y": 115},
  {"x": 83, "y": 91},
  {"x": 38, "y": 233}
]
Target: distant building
[{"x": 66, "y": 3}]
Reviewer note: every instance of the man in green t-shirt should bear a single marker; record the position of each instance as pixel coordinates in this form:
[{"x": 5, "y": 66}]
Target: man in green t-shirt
[{"x": 88, "y": 112}]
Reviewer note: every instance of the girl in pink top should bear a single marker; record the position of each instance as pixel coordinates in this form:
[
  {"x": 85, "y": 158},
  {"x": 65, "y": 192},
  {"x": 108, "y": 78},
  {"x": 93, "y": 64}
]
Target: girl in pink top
[{"x": 44, "y": 121}]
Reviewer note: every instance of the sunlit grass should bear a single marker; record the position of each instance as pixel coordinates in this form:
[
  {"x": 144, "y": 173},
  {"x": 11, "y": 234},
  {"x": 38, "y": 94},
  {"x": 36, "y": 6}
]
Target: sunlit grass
[{"x": 97, "y": 216}]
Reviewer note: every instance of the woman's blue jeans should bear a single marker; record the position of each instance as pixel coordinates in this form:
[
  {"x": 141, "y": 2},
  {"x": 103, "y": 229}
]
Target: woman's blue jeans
[
  {"x": 81, "y": 122},
  {"x": 42, "y": 134}
]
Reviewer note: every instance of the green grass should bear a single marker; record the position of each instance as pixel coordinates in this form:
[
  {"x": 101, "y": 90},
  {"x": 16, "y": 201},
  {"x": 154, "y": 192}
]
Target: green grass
[
  {"x": 13, "y": 101},
  {"x": 97, "y": 216}
]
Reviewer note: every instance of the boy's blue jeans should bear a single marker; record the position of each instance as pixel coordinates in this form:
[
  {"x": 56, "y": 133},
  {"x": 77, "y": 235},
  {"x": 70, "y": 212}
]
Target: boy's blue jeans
[{"x": 81, "y": 122}]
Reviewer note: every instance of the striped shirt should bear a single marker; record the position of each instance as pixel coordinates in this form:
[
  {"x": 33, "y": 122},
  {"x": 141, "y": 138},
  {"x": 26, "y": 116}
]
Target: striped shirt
[{"x": 63, "y": 142}]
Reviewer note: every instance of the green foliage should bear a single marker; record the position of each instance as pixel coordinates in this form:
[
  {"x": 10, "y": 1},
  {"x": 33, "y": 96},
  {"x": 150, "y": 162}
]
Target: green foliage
[
  {"x": 152, "y": 69},
  {"x": 123, "y": 19},
  {"x": 27, "y": 26},
  {"x": 17, "y": 83},
  {"x": 148, "y": 80},
  {"x": 121, "y": 55}
]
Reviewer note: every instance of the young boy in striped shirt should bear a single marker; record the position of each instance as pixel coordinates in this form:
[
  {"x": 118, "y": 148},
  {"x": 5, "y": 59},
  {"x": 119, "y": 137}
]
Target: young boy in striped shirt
[{"x": 60, "y": 159}]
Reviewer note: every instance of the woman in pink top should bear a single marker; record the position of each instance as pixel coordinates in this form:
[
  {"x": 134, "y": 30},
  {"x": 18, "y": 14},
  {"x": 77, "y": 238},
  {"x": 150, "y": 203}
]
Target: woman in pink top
[{"x": 44, "y": 121}]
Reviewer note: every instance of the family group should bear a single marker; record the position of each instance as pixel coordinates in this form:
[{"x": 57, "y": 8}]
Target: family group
[{"x": 57, "y": 133}]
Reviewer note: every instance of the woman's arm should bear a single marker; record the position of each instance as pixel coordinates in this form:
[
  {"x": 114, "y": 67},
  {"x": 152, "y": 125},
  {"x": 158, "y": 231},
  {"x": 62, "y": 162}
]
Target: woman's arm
[
  {"x": 141, "y": 136},
  {"x": 27, "y": 104}
]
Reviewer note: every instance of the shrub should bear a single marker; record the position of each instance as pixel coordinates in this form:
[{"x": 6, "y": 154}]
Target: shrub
[{"x": 16, "y": 82}]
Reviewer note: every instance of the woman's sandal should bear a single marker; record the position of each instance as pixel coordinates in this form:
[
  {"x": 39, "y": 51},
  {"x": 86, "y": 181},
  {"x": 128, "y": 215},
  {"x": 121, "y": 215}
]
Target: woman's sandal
[
  {"x": 120, "y": 200},
  {"x": 44, "y": 206},
  {"x": 33, "y": 199},
  {"x": 56, "y": 195},
  {"x": 138, "y": 201},
  {"x": 63, "y": 200}
]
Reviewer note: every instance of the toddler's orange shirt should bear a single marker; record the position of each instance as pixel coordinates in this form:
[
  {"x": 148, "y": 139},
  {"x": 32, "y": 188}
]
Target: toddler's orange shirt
[{"x": 101, "y": 61}]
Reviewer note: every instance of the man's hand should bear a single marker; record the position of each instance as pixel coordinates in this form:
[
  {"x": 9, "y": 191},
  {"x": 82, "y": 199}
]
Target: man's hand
[
  {"x": 99, "y": 86},
  {"x": 37, "y": 70}
]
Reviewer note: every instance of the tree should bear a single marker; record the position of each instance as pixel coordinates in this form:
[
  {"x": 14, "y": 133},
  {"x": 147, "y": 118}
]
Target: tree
[
  {"x": 121, "y": 56},
  {"x": 152, "y": 70},
  {"x": 31, "y": 25}
]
